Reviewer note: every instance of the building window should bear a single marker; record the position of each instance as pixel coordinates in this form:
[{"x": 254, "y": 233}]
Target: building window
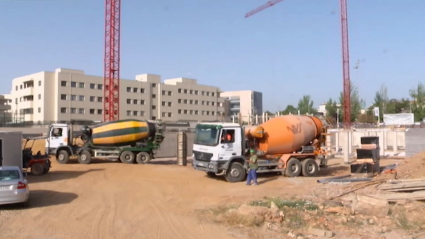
[
  {"x": 169, "y": 104},
  {"x": 81, "y": 111},
  {"x": 73, "y": 110},
  {"x": 163, "y": 103},
  {"x": 163, "y": 92},
  {"x": 196, "y": 92},
  {"x": 92, "y": 111},
  {"x": 163, "y": 114},
  {"x": 128, "y": 89},
  {"x": 213, "y": 103},
  {"x": 73, "y": 84},
  {"x": 153, "y": 85},
  {"x": 63, "y": 97},
  {"x": 191, "y": 112},
  {"x": 203, "y": 102},
  {"x": 169, "y": 92},
  {"x": 73, "y": 97},
  {"x": 63, "y": 83},
  {"x": 196, "y": 112},
  {"x": 196, "y": 102},
  {"x": 142, "y": 113},
  {"x": 169, "y": 114},
  {"x": 208, "y": 93},
  {"x": 142, "y": 102},
  {"x": 128, "y": 112},
  {"x": 185, "y": 91},
  {"x": 185, "y": 101},
  {"x": 134, "y": 90},
  {"x": 154, "y": 107},
  {"x": 39, "y": 96},
  {"x": 153, "y": 96},
  {"x": 81, "y": 98},
  {"x": 153, "y": 118},
  {"x": 179, "y": 111},
  {"x": 16, "y": 87},
  {"x": 212, "y": 112},
  {"x": 39, "y": 110},
  {"x": 128, "y": 101},
  {"x": 99, "y": 86},
  {"x": 92, "y": 86},
  {"x": 185, "y": 112},
  {"x": 99, "y": 111},
  {"x": 39, "y": 83},
  {"x": 213, "y": 94},
  {"x": 99, "y": 99},
  {"x": 135, "y": 113},
  {"x": 81, "y": 85},
  {"x": 142, "y": 90},
  {"x": 63, "y": 110},
  {"x": 135, "y": 102},
  {"x": 92, "y": 98},
  {"x": 179, "y": 90},
  {"x": 180, "y": 101},
  {"x": 208, "y": 103},
  {"x": 191, "y": 101},
  {"x": 202, "y": 92}
]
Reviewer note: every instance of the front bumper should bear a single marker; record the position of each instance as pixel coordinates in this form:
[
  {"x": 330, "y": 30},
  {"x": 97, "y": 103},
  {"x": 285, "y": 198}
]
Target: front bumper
[{"x": 212, "y": 166}]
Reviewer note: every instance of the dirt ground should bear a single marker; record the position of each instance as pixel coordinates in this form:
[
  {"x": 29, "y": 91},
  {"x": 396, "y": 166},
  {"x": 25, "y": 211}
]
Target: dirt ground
[{"x": 115, "y": 200}]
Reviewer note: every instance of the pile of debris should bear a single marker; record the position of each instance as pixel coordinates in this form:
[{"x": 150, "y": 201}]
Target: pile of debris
[{"x": 403, "y": 189}]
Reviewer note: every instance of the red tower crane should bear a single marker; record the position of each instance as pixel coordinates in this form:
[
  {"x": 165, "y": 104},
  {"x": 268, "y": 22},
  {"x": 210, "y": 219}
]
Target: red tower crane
[
  {"x": 111, "y": 79},
  {"x": 345, "y": 56}
]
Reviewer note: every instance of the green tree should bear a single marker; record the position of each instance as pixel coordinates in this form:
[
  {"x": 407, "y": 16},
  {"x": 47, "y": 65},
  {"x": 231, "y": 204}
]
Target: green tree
[
  {"x": 356, "y": 103},
  {"x": 418, "y": 106},
  {"x": 305, "y": 105},
  {"x": 381, "y": 101},
  {"x": 289, "y": 109}
]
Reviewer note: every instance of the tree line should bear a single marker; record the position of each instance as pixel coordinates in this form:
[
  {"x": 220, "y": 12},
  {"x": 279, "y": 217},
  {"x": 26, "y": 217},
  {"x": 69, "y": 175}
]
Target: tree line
[{"x": 387, "y": 105}]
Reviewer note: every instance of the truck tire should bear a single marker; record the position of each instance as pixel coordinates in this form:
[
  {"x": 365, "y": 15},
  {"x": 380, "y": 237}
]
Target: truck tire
[
  {"x": 293, "y": 168},
  {"x": 84, "y": 157},
  {"x": 46, "y": 170},
  {"x": 309, "y": 167},
  {"x": 143, "y": 158},
  {"x": 37, "y": 169},
  {"x": 236, "y": 173},
  {"x": 127, "y": 157},
  {"x": 63, "y": 157}
]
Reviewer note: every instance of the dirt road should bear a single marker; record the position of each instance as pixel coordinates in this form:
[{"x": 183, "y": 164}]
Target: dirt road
[{"x": 115, "y": 200}]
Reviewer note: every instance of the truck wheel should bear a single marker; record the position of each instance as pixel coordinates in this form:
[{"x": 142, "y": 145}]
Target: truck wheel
[
  {"x": 127, "y": 157},
  {"x": 84, "y": 157},
  {"x": 236, "y": 173},
  {"x": 143, "y": 158},
  {"x": 46, "y": 170},
  {"x": 37, "y": 169},
  {"x": 293, "y": 168},
  {"x": 309, "y": 167},
  {"x": 63, "y": 157}
]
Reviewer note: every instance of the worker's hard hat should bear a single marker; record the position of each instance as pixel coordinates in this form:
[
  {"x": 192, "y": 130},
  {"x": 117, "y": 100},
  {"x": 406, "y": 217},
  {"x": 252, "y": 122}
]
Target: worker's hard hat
[{"x": 251, "y": 151}]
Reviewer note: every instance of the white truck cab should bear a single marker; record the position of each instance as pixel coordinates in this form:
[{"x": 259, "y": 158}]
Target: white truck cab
[
  {"x": 57, "y": 137},
  {"x": 219, "y": 149}
]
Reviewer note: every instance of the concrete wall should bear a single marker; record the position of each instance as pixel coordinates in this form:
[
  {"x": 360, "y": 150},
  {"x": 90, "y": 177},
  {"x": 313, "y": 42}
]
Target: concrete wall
[
  {"x": 169, "y": 145},
  {"x": 415, "y": 141}
]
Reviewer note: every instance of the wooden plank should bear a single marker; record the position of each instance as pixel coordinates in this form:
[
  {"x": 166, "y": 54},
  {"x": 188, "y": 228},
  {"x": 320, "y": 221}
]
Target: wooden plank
[
  {"x": 419, "y": 195},
  {"x": 394, "y": 181},
  {"x": 405, "y": 189},
  {"x": 402, "y": 185}
]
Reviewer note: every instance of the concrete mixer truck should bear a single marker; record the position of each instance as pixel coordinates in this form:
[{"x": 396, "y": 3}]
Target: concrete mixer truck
[
  {"x": 127, "y": 140},
  {"x": 291, "y": 144}
]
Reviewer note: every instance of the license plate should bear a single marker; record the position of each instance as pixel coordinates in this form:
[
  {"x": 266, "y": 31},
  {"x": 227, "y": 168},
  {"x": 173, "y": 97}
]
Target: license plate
[{"x": 4, "y": 187}]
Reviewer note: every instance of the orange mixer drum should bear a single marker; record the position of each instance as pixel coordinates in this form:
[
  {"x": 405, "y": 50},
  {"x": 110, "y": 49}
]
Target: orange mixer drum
[{"x": 286, "y": 134}]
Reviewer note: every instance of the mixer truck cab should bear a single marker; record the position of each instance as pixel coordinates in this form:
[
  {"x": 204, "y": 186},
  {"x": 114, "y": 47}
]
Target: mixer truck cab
[
  {"x": 129, "y": 141},
  {"x": 292, "y": 145},
  {"x": 219, "y": 147}
]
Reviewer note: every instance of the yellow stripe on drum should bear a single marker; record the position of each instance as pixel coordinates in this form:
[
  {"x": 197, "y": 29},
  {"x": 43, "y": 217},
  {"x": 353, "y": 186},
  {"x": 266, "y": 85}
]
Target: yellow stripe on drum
[
  {"x": 120, "y": 139},
  {"x": 119, "y": 125}
]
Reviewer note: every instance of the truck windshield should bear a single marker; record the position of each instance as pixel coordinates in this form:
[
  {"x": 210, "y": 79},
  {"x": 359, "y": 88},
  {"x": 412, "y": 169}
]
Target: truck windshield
[{"x": 207, "y": 134}]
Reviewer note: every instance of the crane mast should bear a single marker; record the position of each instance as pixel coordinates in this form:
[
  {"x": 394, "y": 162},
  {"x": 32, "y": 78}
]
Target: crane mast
[
  {"x": 345, "y": 56},
  {"x": 111, "y": 79}
]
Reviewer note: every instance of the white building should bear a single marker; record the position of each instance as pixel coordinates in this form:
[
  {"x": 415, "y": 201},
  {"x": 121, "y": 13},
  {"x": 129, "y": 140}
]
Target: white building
[
  {"x": 66, "y": 95},
  {"x": 246, "y": 103}
]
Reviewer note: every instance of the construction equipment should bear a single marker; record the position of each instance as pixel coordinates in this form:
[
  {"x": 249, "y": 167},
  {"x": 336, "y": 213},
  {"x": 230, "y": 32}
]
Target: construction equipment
[
  {"x": 291, "y": 144},
  {"x": 126, "y": 140},
  {"x": 38, "y": 163},
  {"x": 345, "y": 56}
]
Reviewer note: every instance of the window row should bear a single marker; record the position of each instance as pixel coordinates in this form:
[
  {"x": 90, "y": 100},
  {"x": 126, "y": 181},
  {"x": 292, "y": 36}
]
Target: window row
[
  {"x": 81, "y": 98},
  {"x": 142, "y": 90},
  {"x": 197, "y": 112},
  {"x": 64, "y": 110},
  {"x": 135, "y": 113},
  {"x": 82, "y": 85},
  {"x": 196, "y": 92},
  {"x": 196, "y": 102},
  {"x": 27, "y": 85}
]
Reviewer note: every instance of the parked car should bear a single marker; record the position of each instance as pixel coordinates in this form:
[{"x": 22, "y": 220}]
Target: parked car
[{"x": 13, "y": 186}]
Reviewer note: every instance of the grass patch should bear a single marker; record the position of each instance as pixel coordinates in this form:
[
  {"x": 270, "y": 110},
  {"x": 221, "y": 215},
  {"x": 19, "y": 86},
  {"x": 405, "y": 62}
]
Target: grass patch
[
  {"x": 289, "y": 203},
  {"x": 400, "y": 218}
]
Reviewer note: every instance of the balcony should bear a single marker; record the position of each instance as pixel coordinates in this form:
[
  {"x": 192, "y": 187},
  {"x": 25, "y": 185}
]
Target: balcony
[
  {"x": 26, "y": 91},
  {"x": 4, "y": 108},
  {"x": 26, "y": 104}
]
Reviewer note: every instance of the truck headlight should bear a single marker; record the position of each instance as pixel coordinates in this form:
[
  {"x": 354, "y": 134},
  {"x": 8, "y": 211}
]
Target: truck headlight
[{"x": 210, "y": 166}]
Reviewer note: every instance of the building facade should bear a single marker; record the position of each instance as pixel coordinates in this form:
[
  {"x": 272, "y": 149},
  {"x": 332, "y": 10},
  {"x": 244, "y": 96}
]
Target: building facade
[
  {"x": 246, "y": 103},
  {"x": 65, "y": 95}
]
